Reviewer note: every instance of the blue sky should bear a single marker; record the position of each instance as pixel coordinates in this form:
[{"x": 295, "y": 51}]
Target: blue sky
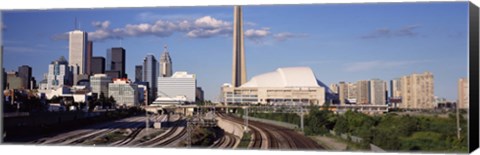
[{"x": 340, "y": 42}]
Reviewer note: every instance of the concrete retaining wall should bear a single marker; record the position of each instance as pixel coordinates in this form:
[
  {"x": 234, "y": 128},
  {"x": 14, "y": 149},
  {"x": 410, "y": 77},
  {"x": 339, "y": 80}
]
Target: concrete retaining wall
[
  {"x": 230, "y": 127},
  {"x": 277, "y": 123}
]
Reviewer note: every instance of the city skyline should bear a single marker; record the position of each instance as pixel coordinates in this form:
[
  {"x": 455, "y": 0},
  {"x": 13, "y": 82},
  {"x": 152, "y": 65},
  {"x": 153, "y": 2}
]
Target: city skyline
[{"x": 432, "y": 41}]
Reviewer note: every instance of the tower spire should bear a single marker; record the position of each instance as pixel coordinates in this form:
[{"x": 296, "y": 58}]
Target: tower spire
[
  {"x": 76, "y": 24},
  {"x": 239, "y": 74},
  {"x": 165, "y": 63}
]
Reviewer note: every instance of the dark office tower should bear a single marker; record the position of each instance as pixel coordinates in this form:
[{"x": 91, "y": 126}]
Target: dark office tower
[
  {"x": 150, "y": 74},
  {"x": 25, "y": 73},
  {"x": 98, "y": 65},
  {"x": 89, "y": 57},
  {"x": 4, "y": 78},
  {"x": 116, "y": 60},
  {"x": 138, "y": 73},
  {"x": 113, "y": 74},
  {"x": 33, "y": 83}
]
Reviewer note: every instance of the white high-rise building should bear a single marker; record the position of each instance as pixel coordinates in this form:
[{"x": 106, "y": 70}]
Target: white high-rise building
[
  {"x": 463, "y": 99},
  {"x": 124, "y": 92},
  {"x": 165, "y": 64},
  {"x": 59, "y": 74},
  {"x": 342, "y": 92},
  {"x": 179, "y": 84},
  {"x": 77, "y": 51},
  {"x": 363, "y": 93},
  {"x": 99, "y": 84},
  {"x": 395, "y": 88},
  {"x": 377, "y": 92},
  {"x": 352, "y": 92},
  {"x": 417, "y": 91}
]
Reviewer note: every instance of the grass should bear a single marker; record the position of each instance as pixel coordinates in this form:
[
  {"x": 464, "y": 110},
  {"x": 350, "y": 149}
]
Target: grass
[
  {"x": 108, "y": 138},
  {"x": 245, "y": 140},
  {"x": 350, "y": 145},
  {"x": 151, "y": 136}
]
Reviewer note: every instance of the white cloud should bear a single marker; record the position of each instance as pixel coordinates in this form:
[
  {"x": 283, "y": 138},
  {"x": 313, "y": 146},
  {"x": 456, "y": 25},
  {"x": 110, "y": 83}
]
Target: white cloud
[
  {"x": 405, "y": 31},
  {"x": 380, "y": 65},
  {"x": 101, "y": 25},
  {"x": 250, "y": 24},
  {"x": 206, "y": 27},
  {"x": 252, "y": 33},
  {"x": 209, "y": 22},
  {"x": 257, "y": 35},
  {"x": 287, "y": 35},
  {"x": 202, "y": 27}
]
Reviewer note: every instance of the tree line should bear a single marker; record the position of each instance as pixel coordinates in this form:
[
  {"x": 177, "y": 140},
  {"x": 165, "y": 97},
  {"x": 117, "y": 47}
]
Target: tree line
[{"x": 390, "y": 131}]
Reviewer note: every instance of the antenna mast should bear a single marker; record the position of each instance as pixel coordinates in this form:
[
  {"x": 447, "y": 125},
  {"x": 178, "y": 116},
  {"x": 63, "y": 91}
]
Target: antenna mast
[{"x": 76, "y": 24}]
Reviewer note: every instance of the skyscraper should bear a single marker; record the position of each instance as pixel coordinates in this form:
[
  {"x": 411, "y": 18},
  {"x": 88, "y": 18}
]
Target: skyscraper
[
  {"x": 342, "y": 92},
  {"x": 4, "y": 77},
  {"x": 239, "y": 73},
  {"x": 124, "y": 92},
  {"x": 377, "y": 92},
  {"x": 25, "y": 72},
  {"x": 33, "y": 83},
  {"x": 98, "y": 65},
  {"x": 463, "y": 98},
  {"x": 14, "y": 81},
  {"x": 165, "y": 64},
  {"x": 395, "y": 88},
  {"x": 99, "y": 84},
  {"x": 417, "y": 91},
  {"x": 352, "y": 92},
  {"x": 59, "y": 74},
  {"x": 89, "y": 58},
  {"x": 179, "y": 84},
  {"x": 116, "y": 60},
  {"x": 138, "y": 73},
  {"x": 150, "y": 74},
  {"x": 363, "y": 93},
  {"x": 77, "y": 51}
]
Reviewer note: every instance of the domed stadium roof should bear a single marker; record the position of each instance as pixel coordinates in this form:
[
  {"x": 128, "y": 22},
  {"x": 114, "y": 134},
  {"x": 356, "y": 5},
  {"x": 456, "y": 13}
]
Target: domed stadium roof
[{"x": 285, "y": 77}]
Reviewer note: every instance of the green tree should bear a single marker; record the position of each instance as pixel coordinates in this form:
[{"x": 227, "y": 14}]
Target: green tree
[{"x": 111, "y": 102}]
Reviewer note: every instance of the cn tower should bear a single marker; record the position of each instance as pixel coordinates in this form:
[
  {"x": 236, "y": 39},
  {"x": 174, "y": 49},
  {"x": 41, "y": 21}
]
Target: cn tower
[{"x": 239, "y": 73}]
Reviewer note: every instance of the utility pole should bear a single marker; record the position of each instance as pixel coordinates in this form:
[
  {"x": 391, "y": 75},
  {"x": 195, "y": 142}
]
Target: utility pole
[
  {"x": 146, "y": 119},
  {"x": 2, "y": 88},
  {"x": 458, "y": 120},
  {"x": 301, "y": 118},
  {"x": 246, "y": 119},
  {"x": 189, "y": 133}
]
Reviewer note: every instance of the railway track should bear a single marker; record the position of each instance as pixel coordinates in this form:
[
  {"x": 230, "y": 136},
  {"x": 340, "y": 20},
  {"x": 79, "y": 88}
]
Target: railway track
[
  {"x": 170, "y": 140},
  {"x": 227, "y": 141},
  {"x": 275, "y": 137},
  {"x": 130, "y": 137},
  {"x": 257, "y": 139},
  {"x": 79, "y": 137},
  {"x": 158, "y": 140}
]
